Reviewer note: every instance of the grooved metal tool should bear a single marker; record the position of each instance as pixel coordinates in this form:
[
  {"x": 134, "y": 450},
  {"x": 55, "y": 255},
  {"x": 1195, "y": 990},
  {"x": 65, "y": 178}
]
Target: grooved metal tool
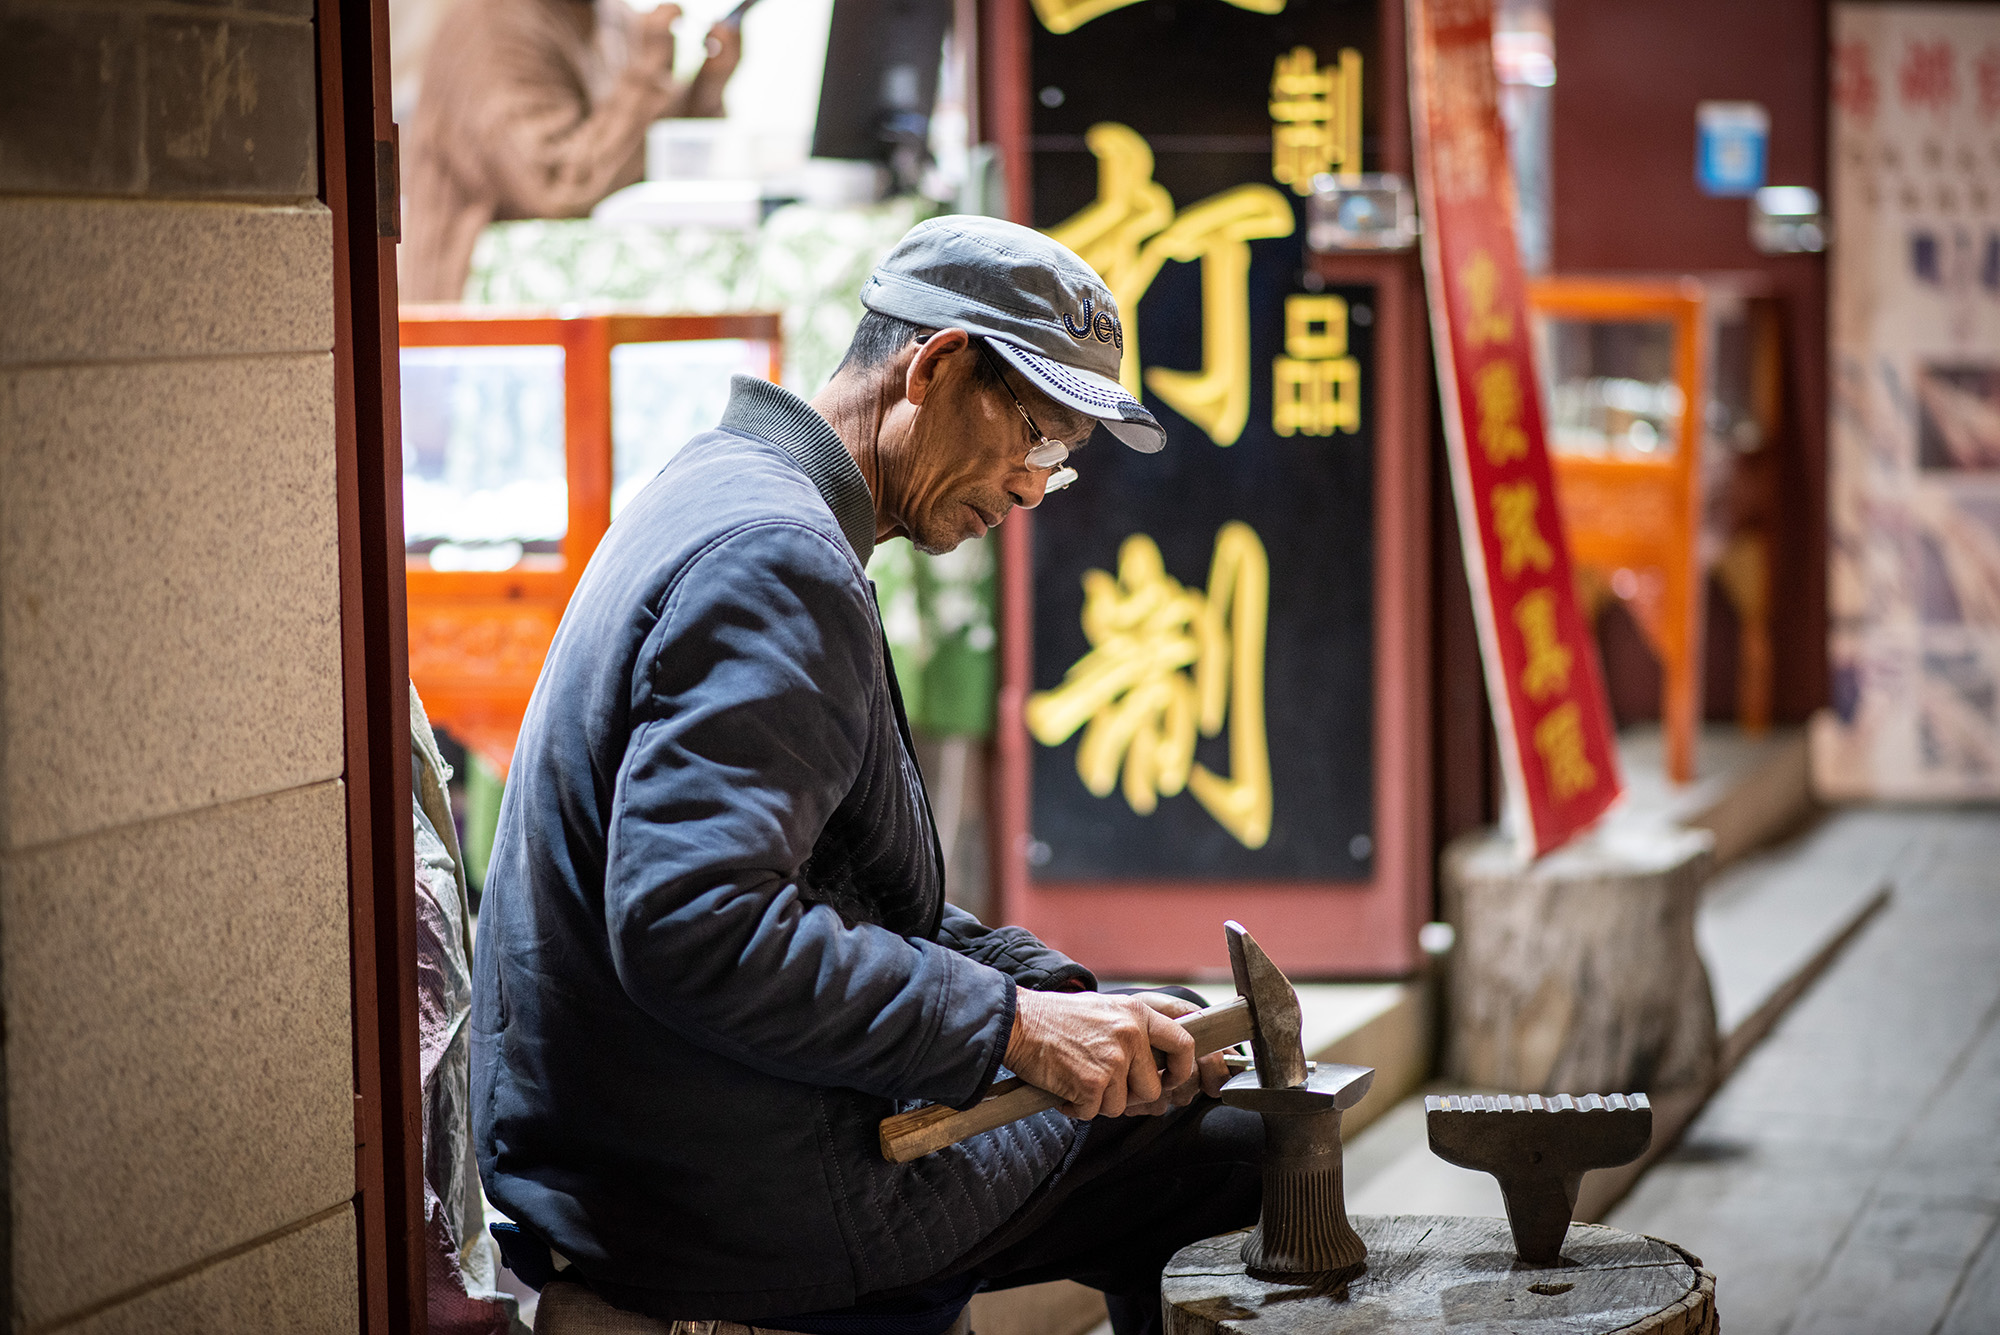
[{"x": 1539, "y": 1147}]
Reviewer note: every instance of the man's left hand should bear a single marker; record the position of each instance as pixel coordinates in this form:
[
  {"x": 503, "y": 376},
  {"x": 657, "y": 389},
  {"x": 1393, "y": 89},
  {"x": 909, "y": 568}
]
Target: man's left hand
[
  {"x": 1209, "y": 1072},
  {"x": 724, "y": 48}
]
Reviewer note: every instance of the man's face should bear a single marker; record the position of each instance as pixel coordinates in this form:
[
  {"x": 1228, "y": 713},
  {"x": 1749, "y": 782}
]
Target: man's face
[{"x": 964, "y": 464}]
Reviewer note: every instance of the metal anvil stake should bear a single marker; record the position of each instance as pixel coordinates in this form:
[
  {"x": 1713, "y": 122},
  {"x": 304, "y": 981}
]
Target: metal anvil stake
[
  {"x": 1302, "y": 1232},
  {"x": 1540, "y": 1148}
]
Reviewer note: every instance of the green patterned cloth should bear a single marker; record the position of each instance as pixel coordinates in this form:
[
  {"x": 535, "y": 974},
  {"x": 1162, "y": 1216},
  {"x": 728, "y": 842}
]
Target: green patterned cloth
[
  {"x": 938, "y": 614},
  {"x": 808, "y": 264}
]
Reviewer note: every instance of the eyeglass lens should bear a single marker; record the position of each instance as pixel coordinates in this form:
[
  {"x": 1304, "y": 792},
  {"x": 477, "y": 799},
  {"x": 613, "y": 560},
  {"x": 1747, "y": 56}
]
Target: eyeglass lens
[{"x": 1047, "y": 454}]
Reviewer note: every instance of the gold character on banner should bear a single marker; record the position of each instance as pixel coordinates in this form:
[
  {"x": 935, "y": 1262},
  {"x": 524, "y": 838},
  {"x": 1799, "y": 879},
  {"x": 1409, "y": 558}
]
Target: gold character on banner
[
  {"x": 1486, "y": 320},
  {"x": 1132, "y": 229},
  {"x": 1315, "y": 118},
  {"x": 1522, "y": 545},
  {"x": 1497, "y": 387},
  {"x": 1316, "y": 385},
  {"x": 1463, "y": 88},
  {"x": 1061, "y": 16},
  {"x": 1559, "y": 741},
  {"x": 1546, "y": 672},
  {"x": 1167, "y": 662}
]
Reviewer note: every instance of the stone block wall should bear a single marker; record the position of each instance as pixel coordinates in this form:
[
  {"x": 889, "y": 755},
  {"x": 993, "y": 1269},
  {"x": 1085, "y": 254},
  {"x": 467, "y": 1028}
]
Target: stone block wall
[{"x": 178, "y": 1139}]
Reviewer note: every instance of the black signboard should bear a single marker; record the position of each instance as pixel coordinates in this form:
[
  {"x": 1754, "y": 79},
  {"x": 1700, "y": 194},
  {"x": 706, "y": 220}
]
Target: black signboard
[{"x": 1234, "y": 571}]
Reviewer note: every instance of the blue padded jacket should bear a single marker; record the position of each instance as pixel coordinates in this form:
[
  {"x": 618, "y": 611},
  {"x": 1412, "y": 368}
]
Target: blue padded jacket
[{"x": 714, "y": 950}]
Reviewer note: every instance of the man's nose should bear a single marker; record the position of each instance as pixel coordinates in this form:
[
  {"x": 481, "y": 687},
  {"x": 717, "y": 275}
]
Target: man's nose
[{"x": 1029, "y": 486}]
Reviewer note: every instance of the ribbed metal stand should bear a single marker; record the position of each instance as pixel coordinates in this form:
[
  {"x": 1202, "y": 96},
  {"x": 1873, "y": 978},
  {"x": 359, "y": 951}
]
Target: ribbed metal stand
[{"x": 1303, "y": 1231}]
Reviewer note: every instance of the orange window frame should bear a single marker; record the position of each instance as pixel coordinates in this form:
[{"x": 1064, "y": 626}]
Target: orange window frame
[{"x": 478, "y": 637}]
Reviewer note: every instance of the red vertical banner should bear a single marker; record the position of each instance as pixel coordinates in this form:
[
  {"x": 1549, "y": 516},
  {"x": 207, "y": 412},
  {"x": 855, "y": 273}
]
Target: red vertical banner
[{"x": 1549, "y": 705}]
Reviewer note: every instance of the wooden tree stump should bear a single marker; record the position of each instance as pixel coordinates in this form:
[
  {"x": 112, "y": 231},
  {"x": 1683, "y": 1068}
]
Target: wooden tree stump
[
  {"x": 1579, "y": 974},
  {"x": 1432, "y": 1272}
]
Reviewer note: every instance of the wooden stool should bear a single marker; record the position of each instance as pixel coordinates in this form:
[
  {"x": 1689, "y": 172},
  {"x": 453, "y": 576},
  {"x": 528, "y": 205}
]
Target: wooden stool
[
  {"x": 574, "y": 1309},
  {"x": 1429, "y": 1272}
]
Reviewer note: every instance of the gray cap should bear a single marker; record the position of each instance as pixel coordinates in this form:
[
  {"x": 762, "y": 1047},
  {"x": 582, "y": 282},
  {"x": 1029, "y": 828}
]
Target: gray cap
[{"x": 1032, "y": 298}]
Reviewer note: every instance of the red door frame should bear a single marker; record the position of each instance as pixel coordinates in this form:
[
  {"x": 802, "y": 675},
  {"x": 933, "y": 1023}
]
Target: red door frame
[
  {"x": 358, "y": 185},
  {"x": 1161, "y": 929}
]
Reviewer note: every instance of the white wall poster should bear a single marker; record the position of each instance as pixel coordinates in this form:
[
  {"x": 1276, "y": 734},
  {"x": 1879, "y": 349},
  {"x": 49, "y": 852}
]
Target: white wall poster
[{"x": 1914, "y": 431}]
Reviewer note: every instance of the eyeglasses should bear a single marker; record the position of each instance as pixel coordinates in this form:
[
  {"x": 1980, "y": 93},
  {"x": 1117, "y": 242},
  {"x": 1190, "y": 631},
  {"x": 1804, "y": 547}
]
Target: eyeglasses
[{"x": 1047, "y": 452}]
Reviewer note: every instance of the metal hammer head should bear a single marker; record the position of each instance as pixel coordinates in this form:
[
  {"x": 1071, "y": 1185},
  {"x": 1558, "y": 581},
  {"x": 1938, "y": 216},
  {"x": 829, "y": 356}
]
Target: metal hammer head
[
  {"x": 1275, "y": 1023},
  {"x": 1539, "y": 1148}
]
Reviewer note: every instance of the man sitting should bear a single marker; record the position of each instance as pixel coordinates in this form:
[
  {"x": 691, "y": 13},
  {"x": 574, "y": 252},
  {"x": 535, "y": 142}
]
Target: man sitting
[{"x": 715, "y": 950}]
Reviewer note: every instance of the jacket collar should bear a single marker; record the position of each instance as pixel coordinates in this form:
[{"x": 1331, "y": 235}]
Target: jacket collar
[{"x": 761, "y": 409}]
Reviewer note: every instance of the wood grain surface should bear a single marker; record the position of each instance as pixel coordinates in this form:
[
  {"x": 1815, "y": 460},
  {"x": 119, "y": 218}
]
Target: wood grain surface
[
  {"x": 1580, "y": 973},
  {"x": 1430, "y": 1272}
]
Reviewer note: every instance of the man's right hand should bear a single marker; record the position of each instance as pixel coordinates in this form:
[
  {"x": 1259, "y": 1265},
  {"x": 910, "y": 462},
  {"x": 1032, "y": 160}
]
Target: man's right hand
[{"x": 1096, "y": 1051}]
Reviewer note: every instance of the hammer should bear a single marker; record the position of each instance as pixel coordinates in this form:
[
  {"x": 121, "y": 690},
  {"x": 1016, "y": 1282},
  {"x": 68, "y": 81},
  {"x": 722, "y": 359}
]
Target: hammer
[
  {"x": 911, "y": 1135},
  {"x": 1539, "y": 1148}
]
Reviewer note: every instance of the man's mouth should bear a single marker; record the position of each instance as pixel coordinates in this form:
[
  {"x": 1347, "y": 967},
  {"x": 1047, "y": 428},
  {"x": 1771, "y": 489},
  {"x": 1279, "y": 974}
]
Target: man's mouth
[{"x": 986, "y": 521}]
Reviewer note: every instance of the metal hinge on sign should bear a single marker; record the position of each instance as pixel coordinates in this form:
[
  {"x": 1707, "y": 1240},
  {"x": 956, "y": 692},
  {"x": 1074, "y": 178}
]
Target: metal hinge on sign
[{"x": 388, "y": 189}]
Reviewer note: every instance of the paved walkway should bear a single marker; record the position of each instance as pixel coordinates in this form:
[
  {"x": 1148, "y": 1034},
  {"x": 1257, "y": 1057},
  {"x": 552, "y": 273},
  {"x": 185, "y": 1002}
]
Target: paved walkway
[{"x": 1847, "y": 1178}]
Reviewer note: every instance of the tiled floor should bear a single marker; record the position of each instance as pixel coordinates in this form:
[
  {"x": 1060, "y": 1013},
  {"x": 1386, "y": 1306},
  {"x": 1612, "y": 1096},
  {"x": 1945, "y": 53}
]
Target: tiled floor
[{"x": 1847, "y": 1177}]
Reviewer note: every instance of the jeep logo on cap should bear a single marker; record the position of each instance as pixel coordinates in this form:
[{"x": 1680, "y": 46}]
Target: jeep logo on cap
[{"x": 1104, "y": 327}]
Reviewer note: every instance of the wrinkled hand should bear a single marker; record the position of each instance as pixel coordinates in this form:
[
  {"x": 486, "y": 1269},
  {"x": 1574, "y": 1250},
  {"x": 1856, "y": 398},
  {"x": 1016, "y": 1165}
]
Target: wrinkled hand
[
  {"x": 1210, "y": 1072},
  {"x": 652, "y": 44},
  {"x": 1095, "y": 1052}
]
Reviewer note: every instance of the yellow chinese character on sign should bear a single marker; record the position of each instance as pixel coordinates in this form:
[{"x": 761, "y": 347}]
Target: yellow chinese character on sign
[
  {"x": 1497, "y": 386},
  {"x": 1547, "y": 670},
  {"x": 1486, "y": 321},
  {"x": 1315, "y": 118},
  {"x": 1061, "y": 16},
  {"x": 1315, "y": 386},
  {"x": 1521, "y": 540},
  {"x": 1559, "y": 740},
  {"x": 1167, "y": 662},
  {"x": 1316, "y": 326},
  {"x": 1317, "y": 398},
  {"x": 1132, "y": 229}
]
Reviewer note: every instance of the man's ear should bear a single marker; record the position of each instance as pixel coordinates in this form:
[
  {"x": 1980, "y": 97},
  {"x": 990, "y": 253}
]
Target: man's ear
[{"x": 933, "y": 354}]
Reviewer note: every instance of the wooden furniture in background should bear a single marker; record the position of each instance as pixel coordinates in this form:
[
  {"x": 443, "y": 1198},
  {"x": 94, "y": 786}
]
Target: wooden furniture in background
[
  {"x": 1661, "y": 457},
  {"x": 478, "y": 636}
]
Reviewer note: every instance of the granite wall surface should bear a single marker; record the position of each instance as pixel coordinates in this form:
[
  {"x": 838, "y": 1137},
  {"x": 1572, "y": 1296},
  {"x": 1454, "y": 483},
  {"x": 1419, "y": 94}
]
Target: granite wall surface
[{"x": 178, "y": 1083}]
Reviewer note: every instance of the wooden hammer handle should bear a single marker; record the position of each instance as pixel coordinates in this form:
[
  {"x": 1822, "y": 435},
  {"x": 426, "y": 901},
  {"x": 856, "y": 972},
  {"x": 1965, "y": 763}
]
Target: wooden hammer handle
[{"x": 911, "y": 1135}]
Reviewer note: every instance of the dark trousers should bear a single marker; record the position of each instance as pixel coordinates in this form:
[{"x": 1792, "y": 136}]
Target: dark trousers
[
  {"x": 1144, "y": 1190},
  {"x": 1138, "y": 1190}
]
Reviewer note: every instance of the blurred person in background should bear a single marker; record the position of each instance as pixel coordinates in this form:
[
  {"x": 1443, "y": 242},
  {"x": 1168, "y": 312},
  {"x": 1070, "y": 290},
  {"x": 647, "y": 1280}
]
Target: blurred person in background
[{"x": 537, "y": 109}]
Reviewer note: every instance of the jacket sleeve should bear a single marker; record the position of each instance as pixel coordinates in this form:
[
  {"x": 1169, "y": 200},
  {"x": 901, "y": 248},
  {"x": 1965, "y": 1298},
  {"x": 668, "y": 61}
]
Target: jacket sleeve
[
  {"x": 745, "y": 737},
  {"x": 1015, "y": 952},
  {"x": 549, "y": 150}
]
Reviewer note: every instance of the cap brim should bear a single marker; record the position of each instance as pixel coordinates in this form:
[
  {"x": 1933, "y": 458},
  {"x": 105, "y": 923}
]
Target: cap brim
[{"x": 1089, "y": 392}]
